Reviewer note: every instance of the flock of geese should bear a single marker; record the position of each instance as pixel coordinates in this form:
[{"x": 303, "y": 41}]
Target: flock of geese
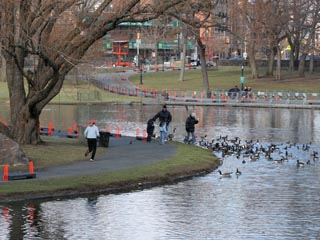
[{"x": 251, "y": 151}]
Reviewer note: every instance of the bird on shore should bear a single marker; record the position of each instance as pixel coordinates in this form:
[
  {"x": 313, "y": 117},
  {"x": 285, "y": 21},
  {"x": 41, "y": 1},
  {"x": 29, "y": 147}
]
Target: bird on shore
[
  {"x": 225, "y": 174},
  {"x": 171, "y": 135}
]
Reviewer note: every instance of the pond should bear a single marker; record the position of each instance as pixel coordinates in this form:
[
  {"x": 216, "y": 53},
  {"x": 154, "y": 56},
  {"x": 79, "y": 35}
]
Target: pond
[{"x": 269, "y": 200}]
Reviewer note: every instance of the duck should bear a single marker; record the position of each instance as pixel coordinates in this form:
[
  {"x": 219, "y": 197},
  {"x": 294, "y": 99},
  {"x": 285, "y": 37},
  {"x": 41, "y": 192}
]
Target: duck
[
  {"x": 226, "y": 174},
  {"x": 238, "y": 172},
  {"x": 300, "y": 164}
]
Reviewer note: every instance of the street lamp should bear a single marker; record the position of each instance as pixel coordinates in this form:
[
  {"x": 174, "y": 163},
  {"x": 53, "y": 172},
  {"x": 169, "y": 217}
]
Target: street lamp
[
  {"x": 138, "y": 57},
  {"x": 242, "y": 79},
  {"x": 141, "y": 83}
]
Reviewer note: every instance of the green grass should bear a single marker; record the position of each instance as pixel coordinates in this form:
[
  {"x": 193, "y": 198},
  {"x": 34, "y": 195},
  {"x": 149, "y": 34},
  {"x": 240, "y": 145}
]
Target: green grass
[
  {"x": 4, "y": 93},
  {"x": 57, "y": 151},
  {"x": 226, "y": 77},
  {"x": 188, "y": 159},
  {"x": 223, "y": 78}
]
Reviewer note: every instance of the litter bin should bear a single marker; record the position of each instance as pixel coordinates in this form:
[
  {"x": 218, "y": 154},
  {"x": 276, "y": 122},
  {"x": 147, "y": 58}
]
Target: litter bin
[{"x": 104, "y": 139}]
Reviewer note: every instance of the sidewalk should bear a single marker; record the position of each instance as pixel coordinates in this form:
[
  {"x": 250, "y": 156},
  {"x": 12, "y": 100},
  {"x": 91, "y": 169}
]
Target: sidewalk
[{"x": 123, "y": 153}]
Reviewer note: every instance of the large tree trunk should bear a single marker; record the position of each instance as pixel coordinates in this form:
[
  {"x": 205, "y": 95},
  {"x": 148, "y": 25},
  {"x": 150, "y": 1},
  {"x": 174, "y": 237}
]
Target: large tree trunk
[{"x": 24, "y": 117}]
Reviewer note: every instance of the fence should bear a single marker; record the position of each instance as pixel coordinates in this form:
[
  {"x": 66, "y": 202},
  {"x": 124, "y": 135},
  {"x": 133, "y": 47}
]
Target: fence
[
  {"x": 216, "y": 96},
  {"x": 88, "y": 96}
]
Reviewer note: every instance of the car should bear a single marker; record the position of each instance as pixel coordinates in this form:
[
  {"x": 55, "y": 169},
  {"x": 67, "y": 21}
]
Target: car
[
  {"x": 236, "y": 58},
  {"x": 195, "y": 62}
]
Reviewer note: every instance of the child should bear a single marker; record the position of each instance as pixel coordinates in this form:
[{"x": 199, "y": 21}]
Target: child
[{"x": 150, "y": 129}]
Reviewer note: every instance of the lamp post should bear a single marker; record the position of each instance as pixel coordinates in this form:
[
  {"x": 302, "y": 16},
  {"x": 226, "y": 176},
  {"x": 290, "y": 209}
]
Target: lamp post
[
  {"x": 138, "y": 57},
  {"x": 242, "y": 77},
  {"x": 163, "y": 59},
  {"x": 141, "y": 83}
]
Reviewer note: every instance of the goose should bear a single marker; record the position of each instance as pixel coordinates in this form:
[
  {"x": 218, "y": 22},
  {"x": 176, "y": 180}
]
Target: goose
[
  {"x": 254, "y": 158},
  {"x": 278, "y": 160},
  {"x": 238, "y": 172},
  {"x": 226, "y": 174},
  {"x": 300, "y": 164},
  {"x": 288, "y": 154},
  {"x": 171, "y": 135}
]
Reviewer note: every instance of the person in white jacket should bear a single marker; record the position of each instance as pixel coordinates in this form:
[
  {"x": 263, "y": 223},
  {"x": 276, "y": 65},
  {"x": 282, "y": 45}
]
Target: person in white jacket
[{"x": 91, "y": 134}]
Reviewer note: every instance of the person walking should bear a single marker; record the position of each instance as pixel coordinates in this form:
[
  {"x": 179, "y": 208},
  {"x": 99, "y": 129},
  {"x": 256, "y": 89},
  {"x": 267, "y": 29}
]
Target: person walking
[
  {"x": 191, "y": 121},
  {"x": 91, "y": 134},
  {"x": 164, "y": 120}
]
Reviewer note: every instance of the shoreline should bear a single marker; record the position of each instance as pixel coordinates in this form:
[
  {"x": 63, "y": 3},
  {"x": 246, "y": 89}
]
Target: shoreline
[
  {"x": 116, "y": 171},
  {"x": 113, "y": 188},
  {"x": 315, "y": 106}
]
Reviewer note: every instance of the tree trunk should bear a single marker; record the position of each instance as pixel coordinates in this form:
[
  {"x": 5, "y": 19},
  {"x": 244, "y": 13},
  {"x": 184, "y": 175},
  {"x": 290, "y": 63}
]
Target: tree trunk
[
  {"x": 24, "y": 117},
  {"x": 253, "y": 63},
  {"x": 204, "y": 72},
  {"x": 278, "y": 70},
  {"x": 301, "y": 65},
  {"x": 311, "y": 64},
  {"x": 270, "y": 64},
  {"x": 156, "y": 53},
  {"x": 183, "y": 58}
]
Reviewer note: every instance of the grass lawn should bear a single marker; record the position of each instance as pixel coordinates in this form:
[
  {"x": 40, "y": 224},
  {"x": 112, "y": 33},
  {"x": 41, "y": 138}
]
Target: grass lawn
[
  {"x": 227, "y": 77},
  {"x": 187, "y": 160},
  {"x": 223, "y": 78},
  {"x": 57, "y": 151}
]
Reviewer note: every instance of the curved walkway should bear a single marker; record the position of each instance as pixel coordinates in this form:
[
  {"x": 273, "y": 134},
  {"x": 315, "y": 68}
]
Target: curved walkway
[{"x": 122, "y": 153}]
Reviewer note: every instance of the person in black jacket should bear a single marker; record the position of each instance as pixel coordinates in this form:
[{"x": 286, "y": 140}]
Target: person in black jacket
[
  {"x": 164, "y": 120},
  {"x": 190, "y": 122}
]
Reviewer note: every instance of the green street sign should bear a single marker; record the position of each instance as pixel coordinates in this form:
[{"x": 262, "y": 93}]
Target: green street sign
[{"x": 242, "y": 80}]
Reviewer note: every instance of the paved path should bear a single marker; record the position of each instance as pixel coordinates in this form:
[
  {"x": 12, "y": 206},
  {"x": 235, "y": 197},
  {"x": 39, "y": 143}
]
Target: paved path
[{"x": 122, "y": 153}]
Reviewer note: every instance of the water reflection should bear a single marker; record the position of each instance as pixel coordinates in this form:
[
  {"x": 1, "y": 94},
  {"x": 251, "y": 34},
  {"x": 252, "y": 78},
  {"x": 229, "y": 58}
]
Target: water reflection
[{"x": 268, "y": 201}]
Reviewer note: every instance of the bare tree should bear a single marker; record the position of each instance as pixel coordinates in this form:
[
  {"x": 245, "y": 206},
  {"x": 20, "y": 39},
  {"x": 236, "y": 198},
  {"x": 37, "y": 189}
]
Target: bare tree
[
  {"x": 30, "y": 27},
  {"x": 304, "y": 17},
  {"x": 198, "y": 14},
  {"x": 155, "y": 33}
]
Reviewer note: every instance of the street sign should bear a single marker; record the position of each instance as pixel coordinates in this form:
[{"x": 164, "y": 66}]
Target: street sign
[{"x": 242, "y": 80}]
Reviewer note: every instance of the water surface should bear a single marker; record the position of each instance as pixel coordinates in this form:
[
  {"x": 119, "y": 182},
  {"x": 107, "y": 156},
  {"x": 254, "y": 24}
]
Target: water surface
[{"x": 267, "y": 201}]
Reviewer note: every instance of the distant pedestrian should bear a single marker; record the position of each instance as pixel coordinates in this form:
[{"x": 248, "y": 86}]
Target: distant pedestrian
[
  {"x": 164, "y": 120},
  {"x": 91, "y": 134},
  {"x": 150, "y": 129},
  {"x": 190, "y": 126}
]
